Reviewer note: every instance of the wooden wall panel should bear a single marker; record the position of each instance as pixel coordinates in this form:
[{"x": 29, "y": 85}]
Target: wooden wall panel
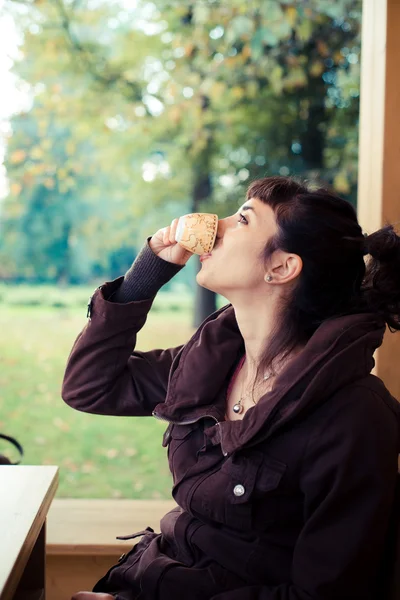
[
  {"x": 66, "y": 575},
  {"x": 379, "y": 144}
]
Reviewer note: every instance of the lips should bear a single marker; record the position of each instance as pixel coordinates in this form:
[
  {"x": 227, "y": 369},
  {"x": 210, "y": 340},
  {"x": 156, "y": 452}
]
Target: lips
[{"x": 205, "y": 256}]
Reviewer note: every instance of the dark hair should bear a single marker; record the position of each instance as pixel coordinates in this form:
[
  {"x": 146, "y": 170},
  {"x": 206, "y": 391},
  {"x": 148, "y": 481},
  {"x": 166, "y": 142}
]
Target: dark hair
[{"x": 323, "y": 230}]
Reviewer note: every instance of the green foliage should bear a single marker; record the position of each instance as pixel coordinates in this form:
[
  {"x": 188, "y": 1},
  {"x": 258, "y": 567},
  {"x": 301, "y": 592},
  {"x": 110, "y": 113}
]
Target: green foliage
[{"x": 143, "y": 113}]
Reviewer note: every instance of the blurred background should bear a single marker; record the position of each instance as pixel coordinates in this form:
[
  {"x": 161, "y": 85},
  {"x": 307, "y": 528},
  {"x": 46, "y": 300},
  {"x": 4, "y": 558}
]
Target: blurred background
[{"x": 116, "y": 116}]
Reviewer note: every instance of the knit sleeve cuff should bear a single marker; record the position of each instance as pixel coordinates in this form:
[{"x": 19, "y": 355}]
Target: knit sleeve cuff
[{"x": 146, "y": 276}]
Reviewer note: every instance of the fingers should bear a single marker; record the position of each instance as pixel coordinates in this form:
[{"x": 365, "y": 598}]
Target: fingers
[
  {"x": 172, "y": 231},
  {"x": 169, "y": 233},
  {"x": 166, "y": 236}
]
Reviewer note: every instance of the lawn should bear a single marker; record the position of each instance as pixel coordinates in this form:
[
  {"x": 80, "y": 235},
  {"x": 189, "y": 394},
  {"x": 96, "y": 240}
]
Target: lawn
[{"x": 99, "y": 457}]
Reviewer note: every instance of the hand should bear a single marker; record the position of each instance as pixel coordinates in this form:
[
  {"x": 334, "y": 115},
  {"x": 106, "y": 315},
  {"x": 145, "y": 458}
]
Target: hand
[
  {"x": 164, "y": 245},
  {"x": 91, "y": 596}
]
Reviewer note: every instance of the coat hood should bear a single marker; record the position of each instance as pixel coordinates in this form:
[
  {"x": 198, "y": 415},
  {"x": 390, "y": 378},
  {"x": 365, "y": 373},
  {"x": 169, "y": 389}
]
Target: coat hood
[{"x": 338, "y": 354}]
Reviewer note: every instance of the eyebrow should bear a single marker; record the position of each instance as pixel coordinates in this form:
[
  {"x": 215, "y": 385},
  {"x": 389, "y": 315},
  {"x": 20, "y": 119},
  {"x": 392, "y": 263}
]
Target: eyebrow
[{"x": 247, "y": 207}]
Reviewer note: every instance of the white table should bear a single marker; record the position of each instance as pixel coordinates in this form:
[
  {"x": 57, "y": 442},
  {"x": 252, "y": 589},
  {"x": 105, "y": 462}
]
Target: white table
[{"x": 25, "y": 497}]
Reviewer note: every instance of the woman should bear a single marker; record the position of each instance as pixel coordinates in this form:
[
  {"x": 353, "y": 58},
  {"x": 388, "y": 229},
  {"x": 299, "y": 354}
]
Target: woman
[{"x": 283, "y": 447}]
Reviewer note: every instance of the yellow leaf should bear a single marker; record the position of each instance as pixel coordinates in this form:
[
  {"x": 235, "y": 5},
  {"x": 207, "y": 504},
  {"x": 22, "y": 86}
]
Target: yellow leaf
[
  {"x": 88, "y": 467},
  {"x": 70, "y": 147},
  {"x": 111, "y": 453},
  {"x": 175, "y": 114},
  {"x": 189, "y": 49},
  {"x": 292, "y": 60},
  {"x": 217, "y": 90},
  {"x": 232, "y": 61},
  {"x": 36, "y": 153},
  {"x": 27, "y": 179},
  {"x": 338, "y": 57},
  {"x": 130, "y": 452},
  {"x": 49, "y": 183},
  {"x": 15, "y": 210},
  {"x": 61, "y": 424},
  {"x": 317, "y": 68},
  {"x": 246, "y": 51},
  {"x": 37, "y": 169},
  {"x": 295, "y": 79},
  {"x": 237, "y": 92},
  {"x": 305, "y": 30},
  {"x": 341, "y": 183},
  {"x": 172, "y": 90},
  {"x": 323, "y": 48},
  {"x": 291, "y": 15},
  {"x": 276, "y": 79},
  {"x": 17, "y": 156},
  {"x": 15, "y": 188}
]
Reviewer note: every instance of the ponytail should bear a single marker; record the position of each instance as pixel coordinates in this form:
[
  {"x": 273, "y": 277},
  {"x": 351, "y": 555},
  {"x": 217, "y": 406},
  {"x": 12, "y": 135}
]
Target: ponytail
[{"x": 381, "y": 285}]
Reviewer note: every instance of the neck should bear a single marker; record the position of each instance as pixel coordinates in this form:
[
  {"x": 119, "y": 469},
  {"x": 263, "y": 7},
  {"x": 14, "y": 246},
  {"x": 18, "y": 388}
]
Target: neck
[{"x": 256, "y": 322}]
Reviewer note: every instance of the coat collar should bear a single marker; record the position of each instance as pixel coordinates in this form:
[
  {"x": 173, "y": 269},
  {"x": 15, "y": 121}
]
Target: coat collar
[{"x": 339, "y": 352}]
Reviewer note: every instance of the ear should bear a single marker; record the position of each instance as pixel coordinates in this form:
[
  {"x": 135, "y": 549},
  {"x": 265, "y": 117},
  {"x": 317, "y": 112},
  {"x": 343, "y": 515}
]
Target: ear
[{"x": 283, "y": 268}]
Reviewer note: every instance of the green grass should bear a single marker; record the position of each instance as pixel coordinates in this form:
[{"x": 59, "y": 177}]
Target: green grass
[{"x": 98, "y": 456}]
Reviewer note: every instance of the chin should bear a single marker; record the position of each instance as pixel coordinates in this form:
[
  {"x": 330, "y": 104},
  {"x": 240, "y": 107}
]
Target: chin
[
  {"x": 205, "y": 282},
  {"x": 201, "y": 279}
]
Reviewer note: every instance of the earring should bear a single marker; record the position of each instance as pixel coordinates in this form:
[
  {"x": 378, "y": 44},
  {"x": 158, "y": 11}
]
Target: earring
[{"x": 268, "y": 278}]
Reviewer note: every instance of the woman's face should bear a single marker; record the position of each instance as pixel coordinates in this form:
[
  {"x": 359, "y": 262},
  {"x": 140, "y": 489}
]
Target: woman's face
[{"x": 235, "y": 264}]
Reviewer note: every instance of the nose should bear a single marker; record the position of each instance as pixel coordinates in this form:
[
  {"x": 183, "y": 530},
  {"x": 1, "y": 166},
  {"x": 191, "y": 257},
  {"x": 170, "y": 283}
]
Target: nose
[{"x": 222, "y": 225}]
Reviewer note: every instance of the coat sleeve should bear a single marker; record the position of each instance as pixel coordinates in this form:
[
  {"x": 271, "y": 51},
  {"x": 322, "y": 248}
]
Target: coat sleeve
[
  {"x": 348, "y": 483},
  {"x": 104, "y": 373}
]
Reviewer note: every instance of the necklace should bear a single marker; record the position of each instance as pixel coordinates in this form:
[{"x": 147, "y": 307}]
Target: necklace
[{"x": 238, "y": 408}]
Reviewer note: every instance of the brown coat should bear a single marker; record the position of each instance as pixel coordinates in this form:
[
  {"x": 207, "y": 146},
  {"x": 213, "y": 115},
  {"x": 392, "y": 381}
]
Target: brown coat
[{"x": 290, "y": 503}]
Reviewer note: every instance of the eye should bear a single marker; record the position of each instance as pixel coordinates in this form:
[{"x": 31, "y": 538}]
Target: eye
[{"x": 242, "y": 219}]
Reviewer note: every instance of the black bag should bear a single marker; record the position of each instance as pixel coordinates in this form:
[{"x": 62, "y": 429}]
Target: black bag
[{"x": 3, "y": 459}]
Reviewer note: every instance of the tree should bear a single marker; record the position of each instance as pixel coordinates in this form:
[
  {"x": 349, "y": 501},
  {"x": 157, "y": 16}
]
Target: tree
[{"x": 217, "y": 93}]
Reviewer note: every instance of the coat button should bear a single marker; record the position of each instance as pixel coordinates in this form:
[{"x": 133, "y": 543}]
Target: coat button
[{"x": 239, "y": 490}]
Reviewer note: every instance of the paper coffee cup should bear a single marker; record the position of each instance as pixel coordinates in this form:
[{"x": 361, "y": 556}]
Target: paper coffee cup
[{"x": 196, "y": 232}]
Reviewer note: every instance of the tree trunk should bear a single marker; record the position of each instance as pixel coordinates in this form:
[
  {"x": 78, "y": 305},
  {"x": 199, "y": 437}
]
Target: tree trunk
[
  {"x": 312, "y": 139},
  {"x": 205, "y": 301}
]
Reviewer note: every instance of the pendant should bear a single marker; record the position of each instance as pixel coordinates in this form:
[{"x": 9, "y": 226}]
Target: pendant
[{"x": 237, "y": 408}]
